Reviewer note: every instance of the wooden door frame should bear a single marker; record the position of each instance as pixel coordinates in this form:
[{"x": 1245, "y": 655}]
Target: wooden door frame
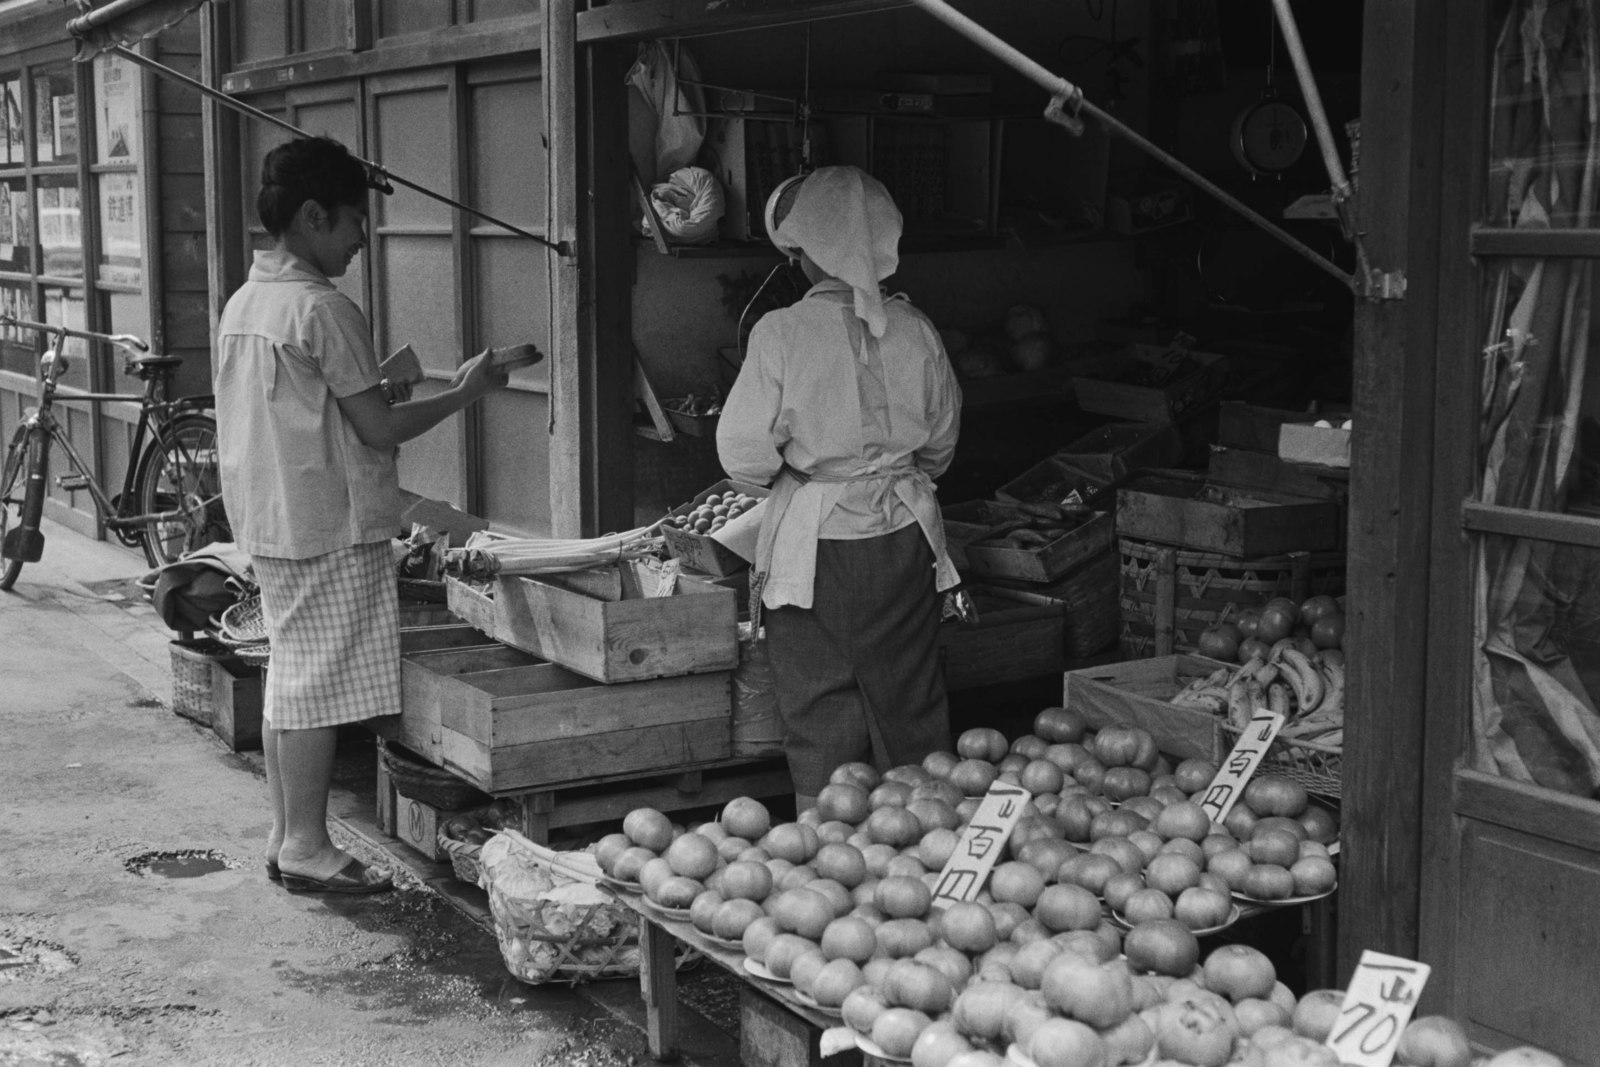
[{"x": 1391, "y": 482}]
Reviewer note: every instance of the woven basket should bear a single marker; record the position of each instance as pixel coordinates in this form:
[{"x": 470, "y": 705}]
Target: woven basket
[
  {"x": 424, "y": 782},
  {"x": 1203, "y": 588},
  {"x": 243, "y": 623},
  {"x": 191, "y": 678},
  {"x": 1317, "y": 767},
  {"x": 463, "y": 858}
]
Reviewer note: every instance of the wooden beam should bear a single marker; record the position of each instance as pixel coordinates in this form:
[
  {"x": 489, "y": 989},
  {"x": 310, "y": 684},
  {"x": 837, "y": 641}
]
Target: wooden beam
[
  {"x": 687, "y": 18},
  {"x": 1542, "y": 244},
  {"x": 225, "y": 238},
  {"x": 607, "y": 251},
  {"x": 1391, "y": 484},
  {"x": 570, "y": 484},
  {"x": 1583, "y": 530}
]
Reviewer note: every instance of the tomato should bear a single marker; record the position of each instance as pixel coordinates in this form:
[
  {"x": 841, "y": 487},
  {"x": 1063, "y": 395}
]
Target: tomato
[
  {"x": 1318, "y": 607},
  {"x": 1277, "y": 622},
  {"x": 1252, "y": 647},
  {"x": 1328, "y": 632},
  {"x": 1248, "y": 621},
  {"x": 1217, "y": 643}
]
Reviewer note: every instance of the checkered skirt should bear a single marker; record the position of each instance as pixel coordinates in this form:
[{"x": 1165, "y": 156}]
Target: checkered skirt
[{"x": 334, "y": 622}]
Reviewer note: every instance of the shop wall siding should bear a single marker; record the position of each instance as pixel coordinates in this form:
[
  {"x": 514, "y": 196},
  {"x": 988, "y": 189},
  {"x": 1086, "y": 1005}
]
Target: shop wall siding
[{"x": 182, "y": 311}]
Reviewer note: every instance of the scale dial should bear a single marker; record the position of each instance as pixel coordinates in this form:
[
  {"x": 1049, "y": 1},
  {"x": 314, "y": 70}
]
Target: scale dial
[{"x": 1269, "y": 137}]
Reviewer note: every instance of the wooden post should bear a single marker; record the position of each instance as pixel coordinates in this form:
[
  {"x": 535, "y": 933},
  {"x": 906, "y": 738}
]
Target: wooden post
[
  {"x": 1166, "y": 599},
  {"x": 568, "y": 483},
  {"x": 658, "y": 985},
  {"x": 1299, "y": 576}
]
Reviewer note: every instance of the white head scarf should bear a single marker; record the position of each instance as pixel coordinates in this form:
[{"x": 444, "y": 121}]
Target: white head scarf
[{"x": 846, "y": 221}]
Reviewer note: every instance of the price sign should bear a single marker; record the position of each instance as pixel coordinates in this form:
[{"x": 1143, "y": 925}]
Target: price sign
[
  {"x": 981, "y": 845},
  {"x": 1382, "y": 995},
  {"x": 1241, "y": 763}
]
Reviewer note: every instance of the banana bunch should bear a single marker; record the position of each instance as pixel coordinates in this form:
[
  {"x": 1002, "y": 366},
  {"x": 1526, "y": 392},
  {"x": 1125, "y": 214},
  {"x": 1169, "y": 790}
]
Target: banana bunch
[{"x": 1307, "y": 690}]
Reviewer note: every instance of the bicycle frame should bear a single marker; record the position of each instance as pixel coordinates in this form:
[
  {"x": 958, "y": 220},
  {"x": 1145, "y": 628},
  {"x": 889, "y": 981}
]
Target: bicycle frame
[{"x": 156, "y": 410}]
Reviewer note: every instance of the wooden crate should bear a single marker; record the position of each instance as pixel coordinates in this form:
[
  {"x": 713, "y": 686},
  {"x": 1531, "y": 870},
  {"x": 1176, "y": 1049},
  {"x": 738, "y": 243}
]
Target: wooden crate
[
  {"x": 1018, "y": 635},
  {"x": 608, "y": 632},
  {"x": 1076, "y": 546},
  {"x": 505, "y": 720},
  {"x": 1118, "y": 449},
  {"x": 1113, "y": 386},
  {"x": 1139, "y": 693},
  {"x": 217, "y": 689},
  {"x": 414, "y": 822},
  {"x": 704, "y": 553},
  {"x": 1052, "y": 481},
  {"x": 1264, "y": 470},
  {"x": 1090, "y": 599},
  {"x": 1252, "y": 426},
  {"x": 1189, "y": 509}
]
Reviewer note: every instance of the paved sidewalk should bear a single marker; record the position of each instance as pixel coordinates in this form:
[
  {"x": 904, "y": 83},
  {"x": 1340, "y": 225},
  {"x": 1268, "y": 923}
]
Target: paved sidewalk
[{"x": 103, "y": 960}]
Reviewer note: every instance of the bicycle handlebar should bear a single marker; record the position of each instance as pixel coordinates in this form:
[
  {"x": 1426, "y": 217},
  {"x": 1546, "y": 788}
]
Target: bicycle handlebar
[{"x": 121, "y": 340}]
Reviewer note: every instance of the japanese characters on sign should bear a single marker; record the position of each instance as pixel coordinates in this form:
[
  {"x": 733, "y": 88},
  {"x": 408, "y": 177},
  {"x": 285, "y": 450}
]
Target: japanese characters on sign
[
  {"x": 1228, "y": 785},
  {"x": 1382, "y": 995},
  {"x": 982, "y": 843}
]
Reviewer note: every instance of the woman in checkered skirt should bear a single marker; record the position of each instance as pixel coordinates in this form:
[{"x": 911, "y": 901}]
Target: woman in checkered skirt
[{"x": 306, "y": 439}]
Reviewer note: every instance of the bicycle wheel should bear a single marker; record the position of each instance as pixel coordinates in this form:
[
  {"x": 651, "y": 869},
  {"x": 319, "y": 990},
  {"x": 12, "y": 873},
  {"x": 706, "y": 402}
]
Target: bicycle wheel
[
  {"x": 20, "y": 511},
  {"x": 178, "y": 485}
]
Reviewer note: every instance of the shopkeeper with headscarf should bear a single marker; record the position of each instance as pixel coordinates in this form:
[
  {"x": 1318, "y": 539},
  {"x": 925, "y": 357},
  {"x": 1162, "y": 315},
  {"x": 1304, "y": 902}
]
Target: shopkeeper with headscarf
[{"x": 847, "y": 405}]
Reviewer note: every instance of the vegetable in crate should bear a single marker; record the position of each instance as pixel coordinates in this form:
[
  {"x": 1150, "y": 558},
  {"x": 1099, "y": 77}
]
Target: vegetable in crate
[{"x": 713, "y": 513}]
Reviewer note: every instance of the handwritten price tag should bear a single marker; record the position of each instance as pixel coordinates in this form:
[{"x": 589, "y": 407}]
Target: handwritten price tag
[
  {"x": 981, "y": 845},
  {"x": 1241, "y": 763},
  {"x": 1383, "y": 993}
]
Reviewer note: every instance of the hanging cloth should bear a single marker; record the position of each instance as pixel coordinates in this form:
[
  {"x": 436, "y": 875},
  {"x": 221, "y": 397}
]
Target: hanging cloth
[{"x": 674, "y": 96}]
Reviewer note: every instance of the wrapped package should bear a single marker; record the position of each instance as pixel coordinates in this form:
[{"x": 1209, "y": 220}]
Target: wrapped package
[{"x": 689, "y": 204}]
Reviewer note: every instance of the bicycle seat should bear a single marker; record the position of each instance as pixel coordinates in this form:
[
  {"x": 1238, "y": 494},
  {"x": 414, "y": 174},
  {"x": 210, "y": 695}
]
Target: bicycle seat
[{"x": 154, "y": 363}]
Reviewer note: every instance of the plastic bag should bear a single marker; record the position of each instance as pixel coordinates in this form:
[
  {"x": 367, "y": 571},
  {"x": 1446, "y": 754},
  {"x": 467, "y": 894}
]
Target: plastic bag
[
  {"x": 679, "y": 106},
  {"x": 757, "y": 728},
  {"x": 689, "y": 204}
]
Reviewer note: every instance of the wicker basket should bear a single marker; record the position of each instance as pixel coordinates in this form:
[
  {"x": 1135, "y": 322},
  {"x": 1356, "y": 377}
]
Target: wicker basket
[
  {"x": 1317, "y": 767},
  {"x": 192, "y": 666},
  {"x": 1167, "y": 589},
  {"x": 463, "y": 858},
  {"x": 424, "y": 782}
]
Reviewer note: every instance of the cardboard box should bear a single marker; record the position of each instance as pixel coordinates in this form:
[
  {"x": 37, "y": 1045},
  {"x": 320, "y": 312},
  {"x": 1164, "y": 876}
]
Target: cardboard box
[
  {"x": 704, "y": 553},
  {"x": 1305, "y": 442},
  {"x": 1188, "y": 509},
  {"x": 505, "y": 720},
  {"x": 1091, "y": 535},
  {"x": 1144, "y": 383},
  {"x": 1139, "y": 693}
]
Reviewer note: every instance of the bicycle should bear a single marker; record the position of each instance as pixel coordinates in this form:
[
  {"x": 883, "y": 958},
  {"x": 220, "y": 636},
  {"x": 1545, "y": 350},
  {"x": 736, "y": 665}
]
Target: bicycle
[{"x": 171, "y": 499}]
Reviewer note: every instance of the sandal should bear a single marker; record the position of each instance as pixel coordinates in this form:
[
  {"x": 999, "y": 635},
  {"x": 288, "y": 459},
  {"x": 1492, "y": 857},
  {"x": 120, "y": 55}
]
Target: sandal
[
  {"x": 351, "y": 878},
  {"x": 273, "y": 873}
]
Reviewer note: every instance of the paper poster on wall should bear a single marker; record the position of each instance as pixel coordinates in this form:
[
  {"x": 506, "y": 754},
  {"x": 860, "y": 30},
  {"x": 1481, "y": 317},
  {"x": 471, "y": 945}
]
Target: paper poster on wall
[
  {"x": 64, "y": 110},
  {"x": 11, "y": 145},
  {"x": 44, "y": 121},
  {"x": 120, "y": 230},
  {"x": 116, "y": 93}
]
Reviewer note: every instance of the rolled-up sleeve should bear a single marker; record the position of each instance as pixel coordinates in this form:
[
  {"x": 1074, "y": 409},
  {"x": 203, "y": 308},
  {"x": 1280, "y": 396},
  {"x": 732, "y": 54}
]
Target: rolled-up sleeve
[
  {"x": 748, "y": 434},
  {"x": 944, "y": 411}
]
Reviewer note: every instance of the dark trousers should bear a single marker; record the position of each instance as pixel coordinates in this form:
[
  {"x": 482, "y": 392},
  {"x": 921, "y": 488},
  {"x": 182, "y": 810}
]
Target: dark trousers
[{"x": 857, "y": 674}]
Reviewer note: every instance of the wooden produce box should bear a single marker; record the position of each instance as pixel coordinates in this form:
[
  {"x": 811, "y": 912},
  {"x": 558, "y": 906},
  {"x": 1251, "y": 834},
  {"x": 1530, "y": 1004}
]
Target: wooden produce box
[
  {"x": 1139, "y": 693},
  {"x": 1053, "y": 481},
  {"x": 611, "y": 631},
  {"x": 505, "y": 720},
  {"x": 1263, "y": 470},
  {"x": 1018, "y": 635},
  {"x": 219, "y": 690},
  {"x": 1145, "y": 383},
  {"x": 700, "y": 552},
  {"x": 1116, "y": 450},
  {"x": 1253, "y": 426},
  {"x": 1188, "y": 509},
  {"x": 1088, "y": 538}
]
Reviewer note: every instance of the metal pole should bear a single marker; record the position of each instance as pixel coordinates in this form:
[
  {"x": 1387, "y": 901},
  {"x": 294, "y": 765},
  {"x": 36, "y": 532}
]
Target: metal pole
[
  {"x": 561, "y": 248},
  {"x": 1060, "y": 88},
  {"x": 1313, "y": 98}
]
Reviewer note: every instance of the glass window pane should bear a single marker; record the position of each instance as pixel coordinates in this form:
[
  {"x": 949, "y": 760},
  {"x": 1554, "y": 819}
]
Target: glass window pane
[
  {"x": 400, "y": 116},
  {"x": 508, "y": 153},
  {"x": 419, "y": 300},
  {"x": 16, "y": 226},
  {"x": 55, "y": 113},
  {"x": 60, "y": 226},
  {"x": 18, "y": 350},
  {"x": 13, "y": 126},
  {"x": 1541, "y": 135},
  {"x": 121, "y": 229},
  {"x": 116, "y": 101},
  {"x": 396, "y": 17},
  {"x": 64, "y": 307},
  {"x": 1538, "y": 664}
]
